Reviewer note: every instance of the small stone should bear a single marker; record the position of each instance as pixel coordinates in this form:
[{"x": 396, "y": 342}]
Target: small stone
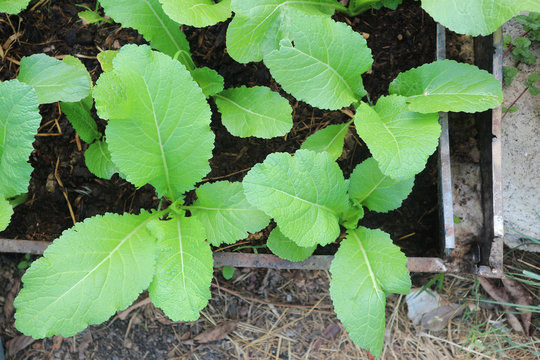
[
  {"x": 50, "y": 185},
  {"x": 400, "y": 37}
]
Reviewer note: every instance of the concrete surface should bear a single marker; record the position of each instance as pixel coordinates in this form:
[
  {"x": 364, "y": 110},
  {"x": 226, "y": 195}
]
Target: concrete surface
[{"x": 521, "y": 153}]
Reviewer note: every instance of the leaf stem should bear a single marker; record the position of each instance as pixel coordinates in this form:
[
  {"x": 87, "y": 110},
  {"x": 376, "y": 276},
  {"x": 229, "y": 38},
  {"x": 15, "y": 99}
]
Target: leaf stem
[{"x": 514, "y": 102}]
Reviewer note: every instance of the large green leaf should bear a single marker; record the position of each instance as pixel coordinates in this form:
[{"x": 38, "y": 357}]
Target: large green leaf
[
  {"x": 94, "y": 269},
  {"x": 287, "y": 249},
  {"x": 19, "y": 121},
  {"x": 329, "y": 139},
  {"x": 6, "y": 211},
  {"x": 55, "y": 80},
  {"x": 225, "y": 213},
  {"x": 13, "y": 6},
  {"x": 400, "y": 140},
  {"x": 148, "y": 18},
  {"x": 98, "y": 160},
  {"x": 255, "y": 111},
  {"x": 184, "y": 268},
  {"x": 80, "y": 116},
  {"x": 159, "y": 119},
  {"x": 259, "y": 25},
  {"x": 476, "y": 17},
  {"x": 199, "y": 13},
  {"x": 321, "y": 63},
  {"x": 368, "y": 186},
  {"x": 304, "y": 193},
  {"x": 447, "y": 85},
  {"x": 367, "y": 267}
]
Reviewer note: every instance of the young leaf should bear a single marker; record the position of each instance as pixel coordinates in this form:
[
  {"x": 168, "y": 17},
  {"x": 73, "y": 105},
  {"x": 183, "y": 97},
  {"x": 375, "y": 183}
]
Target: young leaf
[
  {"x": 304, "y": 193},
  {"x": 55, "y": 80},
  {"x": 98, "y": 160},
  {"x": 6, "y": 211},
  {"x": 227, "y": 272},
  {"x": 92, "y": 17},
  {"x": 148, "y": 18},
  {"x": 370, "y": 187},
  {"x": 209, "y": 80},
  {"x": 400, "y": 140},
  {"x": 509, "y": 73},
  {"x": 225, "y": 213},
  {"x": 158, "y": 131},
  {"x": 79, "y": 115},
  {"x": 198, "y": 13},
  {"x": 105, "y": 59},
  {"x": 349, "y": 219},
  {"x": 322, "y": 63},
  {"x": 255, "y": 111},
  {"x": 447, "y": 85},
  {"x": 184, "y": 268},
  {"x": 13, "y": 6},
  {"x": 94, "y": 269},
  {"x": 287, "y": 249},
  {"x": 531, "y": 80},
  {"x": 329, "y": 139},
  {"x": 367, "y": 267},
  {"x": 522, "y": 51},
  {"x": 476, "y": 17},
  {"x": 531, "y": 23},
  {"x": 19, "y": 121},
  {"x": 259, "y": 25}
]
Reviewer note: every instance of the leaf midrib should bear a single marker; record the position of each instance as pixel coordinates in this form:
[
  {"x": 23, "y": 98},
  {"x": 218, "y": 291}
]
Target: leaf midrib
[
  {"x": 336, "y": 74},
  {"x": 247, "y": 110},
  {"x": 368, "y": 265},
  {"x": 298, "y": 198}
]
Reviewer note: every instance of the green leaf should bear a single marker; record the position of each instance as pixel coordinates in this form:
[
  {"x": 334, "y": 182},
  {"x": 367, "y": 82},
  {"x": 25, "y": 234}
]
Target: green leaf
[
  {"x": 159, "y": 121},
  {"x": 370, "y": 187},
  {"x": 6, "y": 211},
  {"x": 476, "y": 17},
  {"x": 367, "y": 267},
  {"x": 13, "y": 6},
  {"x": 198, "y": 13},
  {"x": 209, "y": 80},
  {"x": 225, "y": 213},
  {"x": 349, "y": 219},
  {"x": 80, "y": 116},
  {"x": 105, "y": 59},
  {"x": 321, "y": 63},
  {"x": 400, "y": 140},
  {"x": 304, "y": 193},
  {"x": 55, "y": 80},
  {"x": 329, "y": 139},
  {"x": 92, "y": 17},
  {"x": 287, "y": 249},
  {"x": 227, "y": 272},
  {"x": 447, "y": 85},
  {"x": 19, "y": 121},
  {"x": 98, "y": 160},
  {"x": 184, "y": 268},
  {"x": 258, "y": 26},
  {"x": 149, "y": 19},
  {"x": 509, "y": 73},
  {"x": 94, "y": 269},
  {"x": 255, "y": 111},
  {"x": 531, "y": 23},
  {"x": 522, "y": 51}
]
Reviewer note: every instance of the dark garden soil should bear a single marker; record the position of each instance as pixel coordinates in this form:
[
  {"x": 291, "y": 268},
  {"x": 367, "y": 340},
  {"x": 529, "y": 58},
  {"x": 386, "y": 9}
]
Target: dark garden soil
[{"x": 62, "y": 190}]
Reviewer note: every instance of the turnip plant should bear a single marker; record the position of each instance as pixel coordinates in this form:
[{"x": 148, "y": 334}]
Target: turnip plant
[{"x": 158, "y": 133}]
